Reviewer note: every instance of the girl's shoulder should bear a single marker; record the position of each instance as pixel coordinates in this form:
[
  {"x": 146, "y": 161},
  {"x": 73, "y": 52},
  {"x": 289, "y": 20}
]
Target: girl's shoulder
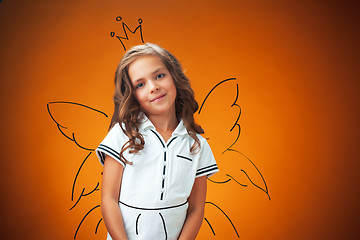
[
  {"x": 202, "y": 140},
  {"x": 200, "y": 137},
  {"x": 116, "y": 127},
  {"x": 117, "y": 131}
]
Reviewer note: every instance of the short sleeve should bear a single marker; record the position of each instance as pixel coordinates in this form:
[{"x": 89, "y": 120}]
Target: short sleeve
[
  {"x": 112, "y": 144},
  {"x": 207, "y": 164}
]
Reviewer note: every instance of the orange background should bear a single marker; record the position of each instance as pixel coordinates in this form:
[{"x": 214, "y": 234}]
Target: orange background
[{"x": 297, "y": 67}]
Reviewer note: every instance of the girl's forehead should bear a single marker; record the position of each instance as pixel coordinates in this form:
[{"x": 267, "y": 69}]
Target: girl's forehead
[{"x": 144, "y": 65}]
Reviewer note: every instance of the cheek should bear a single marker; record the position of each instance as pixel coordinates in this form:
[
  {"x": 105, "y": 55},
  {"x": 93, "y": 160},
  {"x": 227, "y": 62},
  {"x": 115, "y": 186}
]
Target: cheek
[
  {"x": 171, "y": 86},
  {"x": 140, "y": 96},
  {"x": 174, "y": 90}
]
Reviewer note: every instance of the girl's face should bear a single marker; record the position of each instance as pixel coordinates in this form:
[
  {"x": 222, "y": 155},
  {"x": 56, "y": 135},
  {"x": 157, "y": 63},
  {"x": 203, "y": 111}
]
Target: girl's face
[{"x": 154, "y": 86}]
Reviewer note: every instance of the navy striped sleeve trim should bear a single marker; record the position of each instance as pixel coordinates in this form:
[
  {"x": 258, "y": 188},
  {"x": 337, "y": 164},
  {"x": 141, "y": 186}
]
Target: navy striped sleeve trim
[
  {"x": 207, "y": 170},
  {"x": 104, "y": 150}
]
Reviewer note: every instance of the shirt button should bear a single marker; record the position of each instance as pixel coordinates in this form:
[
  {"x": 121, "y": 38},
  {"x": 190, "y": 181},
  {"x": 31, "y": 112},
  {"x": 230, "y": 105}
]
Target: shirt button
[
  {"x": 164, "y": 163},
  {"x": 163, "y": 177},
  {"x": 162, "y": 190}
]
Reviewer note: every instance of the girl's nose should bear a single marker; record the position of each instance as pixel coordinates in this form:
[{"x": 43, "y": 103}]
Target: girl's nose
[{"x": 153, "y": 86}]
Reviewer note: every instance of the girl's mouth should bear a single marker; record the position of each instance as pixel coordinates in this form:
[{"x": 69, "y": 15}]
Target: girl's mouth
[{"x": 158, "y": 98}]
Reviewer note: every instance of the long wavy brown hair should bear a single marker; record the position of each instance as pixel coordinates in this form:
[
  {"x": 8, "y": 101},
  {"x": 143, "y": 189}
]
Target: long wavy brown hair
[{"x": 127, "y": 111}]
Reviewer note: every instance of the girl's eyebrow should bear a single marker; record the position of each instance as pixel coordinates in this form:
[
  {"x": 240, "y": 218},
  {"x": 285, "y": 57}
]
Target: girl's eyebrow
[
  {"x": 153, "y": 73},
  {"x": 158, "y": 70}
]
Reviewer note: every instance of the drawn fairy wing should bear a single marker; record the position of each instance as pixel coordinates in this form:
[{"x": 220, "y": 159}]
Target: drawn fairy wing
[
  {"x": 85, "y": 127},
  {"x": 219, "y": 114},
  {"x": 217, "y": 224}
]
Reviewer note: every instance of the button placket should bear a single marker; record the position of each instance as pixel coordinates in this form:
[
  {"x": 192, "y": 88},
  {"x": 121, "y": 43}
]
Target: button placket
[
  {"x": 165, "y": 162},
  {"x": 163, "y": 182}
]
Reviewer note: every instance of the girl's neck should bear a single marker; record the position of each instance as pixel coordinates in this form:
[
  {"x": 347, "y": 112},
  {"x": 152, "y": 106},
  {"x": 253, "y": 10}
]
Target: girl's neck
[{"x": 165, "y": 125}]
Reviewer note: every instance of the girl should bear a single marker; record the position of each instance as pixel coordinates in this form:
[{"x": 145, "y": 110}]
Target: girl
[{"x": 155, "y": 160}]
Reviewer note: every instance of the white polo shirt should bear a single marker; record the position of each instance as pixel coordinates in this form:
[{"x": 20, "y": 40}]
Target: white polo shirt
[{"x": 155, "y": 188}]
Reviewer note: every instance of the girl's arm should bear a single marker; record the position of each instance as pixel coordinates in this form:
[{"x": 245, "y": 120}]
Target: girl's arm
[
  {"x": 110, "y": 192},
  {"x": 195, "y": 212}
]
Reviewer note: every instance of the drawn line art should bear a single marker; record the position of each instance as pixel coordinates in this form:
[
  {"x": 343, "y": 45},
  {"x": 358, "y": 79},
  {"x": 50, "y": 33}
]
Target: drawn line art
[
  {"x": 234, "y": 104},
  {"x": 211, "y": 228},
  {"x": 266, "y": 190},
  {"x": 90, "y": 150},
  {"x": 77, "y": 174},
  {"x": 87, "y": 194},
  {"x": 244, "y": 185},
  {"x": 82, "y": 220},
  {"x": 232, "y": 224},
  {"x": 236, "y": 124},
  {"x": 97, "y": 225},
  {"x": 223, "y": 81},
  {"x": 60, "y": 127},
  {"x": 219, "y": 182},
  {"x": 126, "y": 29},
  {"x": 228, "y": 180}
]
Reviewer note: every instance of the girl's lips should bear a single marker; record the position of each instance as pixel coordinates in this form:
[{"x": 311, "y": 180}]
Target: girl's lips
[{"x": 158, "y": 98}]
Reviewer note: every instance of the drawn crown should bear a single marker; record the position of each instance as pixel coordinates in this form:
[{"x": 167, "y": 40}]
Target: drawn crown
[{"x": 131, "y": 39}]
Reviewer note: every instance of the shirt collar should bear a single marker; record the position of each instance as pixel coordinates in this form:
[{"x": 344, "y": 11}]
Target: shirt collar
[
  {"x": 180, "y": 129},
  {"x": 147, "y": 124}
]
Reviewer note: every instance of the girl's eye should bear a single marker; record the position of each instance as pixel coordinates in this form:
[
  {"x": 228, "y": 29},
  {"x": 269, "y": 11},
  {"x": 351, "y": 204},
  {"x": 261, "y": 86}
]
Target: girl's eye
[
  {"x": 160, "y": 76},
  {"x": 139, "y": 85}
]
